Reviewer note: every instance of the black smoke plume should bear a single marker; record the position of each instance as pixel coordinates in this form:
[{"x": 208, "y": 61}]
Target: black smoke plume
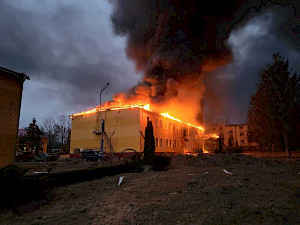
[{"x": 175, "y": 42}]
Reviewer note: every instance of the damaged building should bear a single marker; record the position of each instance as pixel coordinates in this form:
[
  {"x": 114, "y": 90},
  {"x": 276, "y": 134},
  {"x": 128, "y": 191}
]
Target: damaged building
[{"x": 125, "y": 129}]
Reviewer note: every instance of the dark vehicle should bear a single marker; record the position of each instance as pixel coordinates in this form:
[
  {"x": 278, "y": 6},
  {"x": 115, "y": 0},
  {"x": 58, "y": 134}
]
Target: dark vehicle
[
  {"x": 24, "y": 156},
  {"x": 53, "y": 156},
  {"x": 91, "y": 155},
  {"x": 43, "y": 157}
]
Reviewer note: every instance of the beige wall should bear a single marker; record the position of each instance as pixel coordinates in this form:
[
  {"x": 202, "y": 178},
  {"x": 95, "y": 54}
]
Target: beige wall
[
  {"x": 170, "y": 133},
  {"x": 10, "y": 103},
  {"x": 123, "y": 128},
  {"x": 238, "y": 133}
]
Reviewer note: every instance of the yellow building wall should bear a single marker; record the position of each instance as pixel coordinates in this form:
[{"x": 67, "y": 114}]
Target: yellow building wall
[
  {"x": 170, "y": 135},
  {"x": 122, "y": 128}
]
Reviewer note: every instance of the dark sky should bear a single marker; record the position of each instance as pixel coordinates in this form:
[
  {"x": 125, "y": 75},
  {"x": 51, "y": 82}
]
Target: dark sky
[{"x": 69, "y": 50}]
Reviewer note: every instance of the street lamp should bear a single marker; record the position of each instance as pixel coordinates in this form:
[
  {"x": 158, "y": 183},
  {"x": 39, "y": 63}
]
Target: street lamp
[{"x": 102, "y": 124}]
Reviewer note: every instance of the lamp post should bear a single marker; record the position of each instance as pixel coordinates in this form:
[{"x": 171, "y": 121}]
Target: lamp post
[{"x": 102, "y": 124}]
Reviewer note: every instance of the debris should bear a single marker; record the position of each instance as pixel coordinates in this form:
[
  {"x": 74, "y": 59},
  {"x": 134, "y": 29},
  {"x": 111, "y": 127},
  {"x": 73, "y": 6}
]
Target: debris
[
  {"x": 227, "y": 171},
  {"x": 39, "y": 172},
  {"x": 205, "y": 173},
  {"x": 120, "y": 181},
  {"x": 173, "y": 193},
  {"x": 192, "y": 174}
]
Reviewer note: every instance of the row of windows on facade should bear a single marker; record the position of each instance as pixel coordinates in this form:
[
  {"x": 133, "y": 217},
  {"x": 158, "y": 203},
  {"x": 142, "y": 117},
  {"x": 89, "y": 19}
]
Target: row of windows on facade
[
  {"x": 168, "y": 143},
  {"x": 170, "y": 127},
  {"x": 221, "y": 128},
  {"x": 241, "y": 133}
]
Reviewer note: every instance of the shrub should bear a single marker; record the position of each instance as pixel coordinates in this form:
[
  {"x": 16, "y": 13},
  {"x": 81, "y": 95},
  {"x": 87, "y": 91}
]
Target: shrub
[
  {"x": 135, "y": 163},
  {"x": 161, "y": 162}
]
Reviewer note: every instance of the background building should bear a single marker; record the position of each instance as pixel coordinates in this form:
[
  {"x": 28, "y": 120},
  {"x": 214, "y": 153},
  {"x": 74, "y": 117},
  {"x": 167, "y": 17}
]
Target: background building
[
  {"x": 125, "y": 128},
  {"x": 233, "y": 135},
  {"x": 11, "y": 87}
]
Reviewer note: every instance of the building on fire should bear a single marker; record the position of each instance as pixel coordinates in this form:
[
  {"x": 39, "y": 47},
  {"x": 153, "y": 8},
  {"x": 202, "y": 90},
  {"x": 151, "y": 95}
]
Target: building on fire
[
  {"x": 125, "y": 129},
  {"x": 11, "y": 87}
]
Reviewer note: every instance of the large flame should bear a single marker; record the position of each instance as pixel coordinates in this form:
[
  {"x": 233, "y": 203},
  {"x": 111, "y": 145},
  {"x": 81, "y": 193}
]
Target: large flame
[{"x": 145, "y": 107}]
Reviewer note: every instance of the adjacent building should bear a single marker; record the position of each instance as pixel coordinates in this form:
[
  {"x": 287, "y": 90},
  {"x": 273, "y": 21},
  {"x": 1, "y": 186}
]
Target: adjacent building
[
  {"x": 125, "y": 129},
  {"x": 11, "y": 88},
  {"x": 233, "y": 135}
]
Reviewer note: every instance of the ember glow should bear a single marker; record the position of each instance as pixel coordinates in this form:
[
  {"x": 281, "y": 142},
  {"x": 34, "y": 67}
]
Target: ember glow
[
  {"x": 145, "y": 107},
  {"x": 213, "y": 136}
]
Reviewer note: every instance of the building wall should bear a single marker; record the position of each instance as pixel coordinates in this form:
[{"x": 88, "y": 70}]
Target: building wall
[
  {"x": 172, "y": 136},
  {"x": 10, "y": 104},
  {"x": 238, "y": 133},
  {"x": 124, "y": 128}
]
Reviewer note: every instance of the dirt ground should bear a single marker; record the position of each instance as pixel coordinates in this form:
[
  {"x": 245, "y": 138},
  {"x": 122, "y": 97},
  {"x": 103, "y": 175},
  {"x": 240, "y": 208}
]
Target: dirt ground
[{"x": 208, "y": 189}]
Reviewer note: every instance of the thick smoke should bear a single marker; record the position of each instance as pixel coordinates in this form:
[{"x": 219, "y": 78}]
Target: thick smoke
[{"x": 175, "y": 43}]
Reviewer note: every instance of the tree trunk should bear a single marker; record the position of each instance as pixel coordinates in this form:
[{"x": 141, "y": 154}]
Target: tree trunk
[{"x": 288, "y": 153}]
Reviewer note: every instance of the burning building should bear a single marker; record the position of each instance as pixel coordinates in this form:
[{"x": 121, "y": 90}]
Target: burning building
[{"x": 125, "y": 129}]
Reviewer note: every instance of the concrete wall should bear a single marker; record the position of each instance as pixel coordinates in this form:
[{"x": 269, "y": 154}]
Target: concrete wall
[{"x": 10, "y": 104}]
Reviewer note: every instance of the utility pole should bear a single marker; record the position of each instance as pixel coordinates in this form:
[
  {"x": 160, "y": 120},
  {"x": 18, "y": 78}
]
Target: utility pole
[{"x": 102, "y": 124}]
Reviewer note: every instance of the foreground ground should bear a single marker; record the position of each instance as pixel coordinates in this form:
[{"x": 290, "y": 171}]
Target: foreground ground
[{"x": 196, "y": 190}]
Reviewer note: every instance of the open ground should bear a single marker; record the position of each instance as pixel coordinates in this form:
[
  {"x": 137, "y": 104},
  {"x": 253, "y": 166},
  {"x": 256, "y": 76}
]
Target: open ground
[{"x": 208, "y": 189}]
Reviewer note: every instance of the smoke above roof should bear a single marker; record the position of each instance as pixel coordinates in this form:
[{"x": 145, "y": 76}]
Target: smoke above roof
[{"x": 176, "y": 42}]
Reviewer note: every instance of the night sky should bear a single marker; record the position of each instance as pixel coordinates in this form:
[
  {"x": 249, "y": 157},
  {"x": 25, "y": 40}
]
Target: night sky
[{"x": 70, "y": 51}]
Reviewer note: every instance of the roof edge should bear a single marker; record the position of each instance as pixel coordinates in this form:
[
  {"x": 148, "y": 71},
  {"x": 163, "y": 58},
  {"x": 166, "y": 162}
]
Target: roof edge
[{"x": 21, "y": 76}]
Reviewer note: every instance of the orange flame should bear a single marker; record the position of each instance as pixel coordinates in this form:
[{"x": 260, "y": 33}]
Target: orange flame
[
  {"x": 145, "y": 107},
  {"x": 213, "y": 136}
]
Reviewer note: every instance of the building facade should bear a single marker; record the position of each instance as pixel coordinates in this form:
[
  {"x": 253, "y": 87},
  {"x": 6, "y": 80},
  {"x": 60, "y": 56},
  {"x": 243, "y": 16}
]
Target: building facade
[
  {"x": 125, "y": 129},
  {"x": 11, "y": 88},
  {"x": 233, "y": 135}
]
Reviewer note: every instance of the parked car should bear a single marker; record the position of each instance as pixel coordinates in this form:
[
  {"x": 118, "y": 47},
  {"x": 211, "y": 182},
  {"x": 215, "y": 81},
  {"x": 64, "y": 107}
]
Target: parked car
[
  {"x": 43, "y": 157},
  {"x": 90, "y": 155},
  {"x": 53, "y": 156},
  {"x": 24, "y": 156}
]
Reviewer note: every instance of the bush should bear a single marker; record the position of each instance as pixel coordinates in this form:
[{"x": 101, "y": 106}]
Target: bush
[
  {"x": 161, "y": 162},
  {"x": 135, "y": 163}
]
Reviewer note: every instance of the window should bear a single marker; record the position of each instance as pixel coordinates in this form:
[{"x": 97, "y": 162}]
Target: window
[
  {"x": 156, "y": 142},
  {"x": 231, "y": 132},
  {"x": 167, "y": 143},
  {"x": 161, "y": 142},
  {"x": 156, "y": 123},
  {"x": 171, "y": 143},
  {"x": 160, "y": 124},
  {"x": 175, "y": 144},
  {"x": 242, "y": 142},
  {"x": 241, "y": 127},
  {"x": 242, "y": 134}
]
